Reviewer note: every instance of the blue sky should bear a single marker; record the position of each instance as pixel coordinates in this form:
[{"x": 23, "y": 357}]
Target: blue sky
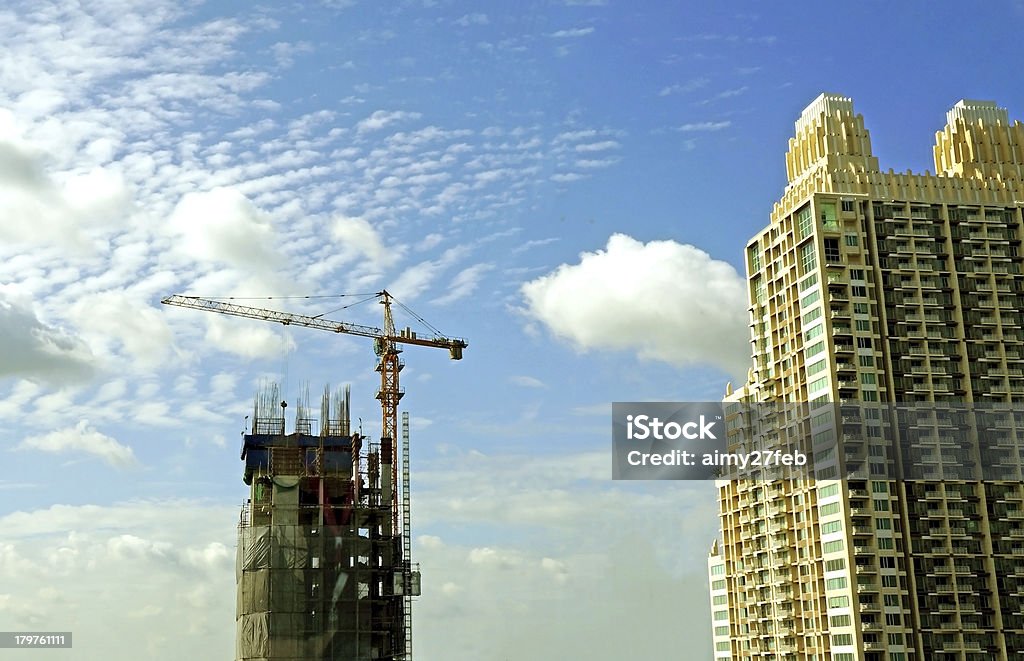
[{"x": 567, "y": 184}]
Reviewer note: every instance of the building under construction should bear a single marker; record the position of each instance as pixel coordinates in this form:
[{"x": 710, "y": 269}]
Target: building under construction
[{"x": 323, "y": 565}]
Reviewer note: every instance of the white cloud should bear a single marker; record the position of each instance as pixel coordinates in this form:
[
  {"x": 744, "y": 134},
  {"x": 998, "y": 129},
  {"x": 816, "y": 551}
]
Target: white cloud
[
  {"x": 113, "y": 568},
  {"x": 572, "y": 33},
  {"x": 664, "y": 300},
  {"x": 222, "y": 225},
  {"x": 36, "y": 350},
  {"x": 419, "y": 277},
  {"x": 384, "y": 118},
  {"x": 527, "y": 381},
  {"x": 37, "y": 208},
  {"x": 357, "y": 238},
  {"x": 472, "y": 19},
  {"x": 682, "y": 88},
  {"x": 598, "y": 146},
  {"x": 704, "y": 126},
  {"x": 247, "y": 338},
  {"x": 82, "y": 438},
  {"x": 113, "y": 317},
  {"x": 464, "y": 283}
]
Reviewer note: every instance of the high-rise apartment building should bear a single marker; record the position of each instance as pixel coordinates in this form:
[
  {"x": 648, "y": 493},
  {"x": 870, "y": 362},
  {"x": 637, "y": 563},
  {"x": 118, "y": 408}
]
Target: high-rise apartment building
[{"x": 882, "y": 287}]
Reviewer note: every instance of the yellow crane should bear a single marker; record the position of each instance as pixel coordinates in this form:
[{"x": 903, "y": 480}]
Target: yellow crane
[{"x": 385, "y": 343}]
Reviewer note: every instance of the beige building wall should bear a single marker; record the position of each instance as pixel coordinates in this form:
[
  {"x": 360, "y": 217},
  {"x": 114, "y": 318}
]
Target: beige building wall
[{"x": 871, "y": 286}]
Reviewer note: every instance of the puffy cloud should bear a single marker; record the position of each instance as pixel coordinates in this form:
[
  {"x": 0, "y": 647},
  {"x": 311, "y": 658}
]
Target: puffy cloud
[
  {"x": 384, "y": 118},
  {"x": 247, "y": 338},
  {"x": 82, "y": 438},
  {"x": 464, "y": 283},
  {"x": 358, "y": 238},
  {"x": 141, "y": 330},
  {"x": 37, "y": 208},
  {"x": 222, "y": 225},
  {"x": 420, "y": 276},
  {"x": 664, "y": 300},
  {"x": 118, "y": 567},
  {"x": 36, "y": 350}
]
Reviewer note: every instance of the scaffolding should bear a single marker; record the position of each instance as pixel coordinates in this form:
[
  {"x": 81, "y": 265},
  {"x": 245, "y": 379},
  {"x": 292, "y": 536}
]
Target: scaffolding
[{"x": 322, "y": 572}]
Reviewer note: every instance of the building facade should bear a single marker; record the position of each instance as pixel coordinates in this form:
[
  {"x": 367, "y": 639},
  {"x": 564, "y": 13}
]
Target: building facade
[{"x": 882, "y": 287}]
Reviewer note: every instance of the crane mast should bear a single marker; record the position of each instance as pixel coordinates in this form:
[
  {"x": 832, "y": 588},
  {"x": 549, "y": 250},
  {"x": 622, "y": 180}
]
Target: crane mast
[{"x": 390, "y": 392}]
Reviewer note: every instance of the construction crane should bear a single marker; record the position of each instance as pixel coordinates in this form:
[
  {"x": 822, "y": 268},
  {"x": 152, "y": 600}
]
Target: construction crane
[{"x": 385, "y": 345}]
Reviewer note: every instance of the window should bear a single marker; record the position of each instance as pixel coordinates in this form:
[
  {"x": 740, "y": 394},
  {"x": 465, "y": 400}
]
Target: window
[
  {"x": 832, "y": 547},
  {"x": 809, "y": 282},
  {"x": 814, "y": 368},
  {"x": 847, "y": 205},
  {"x": 884, "y": 542},
  {"x": 813, "y": 297},
  {"x": 720, "y": 600},
  {"x": 881, "y": 505},
  {"x": 856, "y": 274},
  {"x": 892, "y": 600},
  {"x": 808, "y": 259},
  {"x": 723, "y": 646},
  {"x": 859, "y": 290},
  {"x": 842, "y": 639},
  {"x": 722, "y": 615},
  {"x": 823, "y": 436},
  {"x": 829, "y": 509},
  {"x": 866, "y": 361},
  {"x": 830, "y": 490},
  {"x": 812, "y": 314},
  {"x": 889, "y": 581},
  {"x": 817, "y": 384},
  {"x": 879, "y": 487},
  {"x": 814, "y": 332},
  {"x": 718, "y": 585},
  {"x": 828, "y": 212},
  {"x": 894, "y": 638},
  {"x": 851, "y": 240},
  {"x": 864, "y": 343},
  {"x": 835, "y": 583},
  {"x": 831, "y": 526},
  {"x": 868, "y": 379},
  {"x": 754, "y": 255},
  {"x": 804, "y": 222},
  {"x": 860, "y": 308},
  {"x": 717, "y": 570},
  {"x": 832, "y": 251},
  {"x": 883, "y": 524},
  {"x": 815, "y": 349},
  {"x": 817, "y": 421},
  {"x": 838, "y": 602},
  {"x": 835, "y": 565},
  {"x": 887, "y": 562},
  {"x": 721, "y": 631},
  {"x": 864, "y": 325}
]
